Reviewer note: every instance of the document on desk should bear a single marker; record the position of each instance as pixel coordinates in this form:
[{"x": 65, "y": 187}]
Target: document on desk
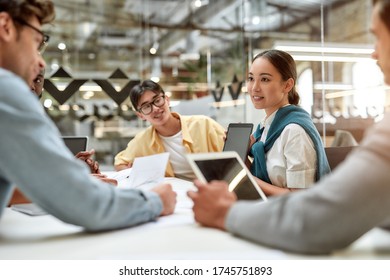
[
  {"x": 149, "y": 170},
  {"x": 29, "y": 209}
]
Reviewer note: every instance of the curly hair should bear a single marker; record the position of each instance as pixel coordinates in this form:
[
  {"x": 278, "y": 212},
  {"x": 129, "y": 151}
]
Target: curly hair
[{"x": 25, "y": 9}]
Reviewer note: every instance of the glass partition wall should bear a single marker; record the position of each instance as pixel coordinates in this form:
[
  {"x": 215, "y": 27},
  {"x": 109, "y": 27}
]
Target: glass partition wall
[{"x": 199, "y": 51}]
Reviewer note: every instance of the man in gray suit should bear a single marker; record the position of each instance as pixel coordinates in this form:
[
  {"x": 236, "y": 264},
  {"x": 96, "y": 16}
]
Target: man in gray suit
[{"x": 339, "y": 209}]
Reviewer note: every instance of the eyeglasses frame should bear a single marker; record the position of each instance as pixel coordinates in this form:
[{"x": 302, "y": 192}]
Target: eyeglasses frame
[
  {"x": 45, "y": 38},
  {"x": 152, "y": 103}
]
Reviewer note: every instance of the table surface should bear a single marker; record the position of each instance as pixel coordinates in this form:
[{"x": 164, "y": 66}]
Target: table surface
[{"x": 172, "y": 237}]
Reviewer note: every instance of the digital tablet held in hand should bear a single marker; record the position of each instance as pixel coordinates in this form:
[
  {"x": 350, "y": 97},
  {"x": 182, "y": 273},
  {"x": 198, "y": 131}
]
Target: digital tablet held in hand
[
  {"x": 229, "y": 167},
  {"x": 238, "y": 138},
  {"x": 76, "y": 143}
]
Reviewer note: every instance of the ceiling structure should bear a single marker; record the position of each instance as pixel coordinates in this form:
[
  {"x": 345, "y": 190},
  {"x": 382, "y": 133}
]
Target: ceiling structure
[{"x": 93, "y": 38}]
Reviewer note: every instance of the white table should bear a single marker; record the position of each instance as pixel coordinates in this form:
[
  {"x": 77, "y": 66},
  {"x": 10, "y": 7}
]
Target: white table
[{"x": 172, "y": 237}]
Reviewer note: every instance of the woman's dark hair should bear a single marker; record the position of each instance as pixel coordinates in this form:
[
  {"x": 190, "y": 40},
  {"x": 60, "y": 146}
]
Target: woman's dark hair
[
  {"x": 137, "y": 91},
  {"x": 285, "y": 64}
]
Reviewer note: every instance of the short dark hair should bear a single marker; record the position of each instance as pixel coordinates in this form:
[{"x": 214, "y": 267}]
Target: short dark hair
[
  {"x": 285, "y": 64},
  {"x": 137, "y": 91},
  {"x": 25, "y": 9},
  {"x": 384, "y": 11}
]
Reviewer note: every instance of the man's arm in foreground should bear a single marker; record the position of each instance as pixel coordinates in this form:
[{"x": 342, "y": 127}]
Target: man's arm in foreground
[
  {"x": 329, "y": 216},
  {"x": 35, "y": 159}
]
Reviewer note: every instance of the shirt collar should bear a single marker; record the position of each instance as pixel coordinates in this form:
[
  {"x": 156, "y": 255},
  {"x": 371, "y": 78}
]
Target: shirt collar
[
  {"x": 268, "y": 119},
  {"x": 184, "y": 129}
]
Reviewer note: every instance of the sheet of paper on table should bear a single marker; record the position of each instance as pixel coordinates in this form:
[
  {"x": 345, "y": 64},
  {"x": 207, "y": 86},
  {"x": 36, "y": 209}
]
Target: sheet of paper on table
[{"x": 148, "y": 170}]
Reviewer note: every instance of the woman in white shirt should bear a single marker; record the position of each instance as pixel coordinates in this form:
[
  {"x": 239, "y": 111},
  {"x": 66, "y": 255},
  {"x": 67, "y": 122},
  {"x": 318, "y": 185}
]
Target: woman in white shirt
[{"x": 287, "y": 150}]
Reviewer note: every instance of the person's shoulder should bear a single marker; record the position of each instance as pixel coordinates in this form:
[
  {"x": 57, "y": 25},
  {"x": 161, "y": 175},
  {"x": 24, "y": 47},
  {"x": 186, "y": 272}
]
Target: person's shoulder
[
  {"x": 11, "y": 81},
  {"x": 293, "y": 129},
  {"x": 383, "y": 124},
  {"x": 191, "y": 118},
  {"x": 197, "y": 118},
  {"x": 14, "y": 89},
  {"x": 145, "y": 133}
]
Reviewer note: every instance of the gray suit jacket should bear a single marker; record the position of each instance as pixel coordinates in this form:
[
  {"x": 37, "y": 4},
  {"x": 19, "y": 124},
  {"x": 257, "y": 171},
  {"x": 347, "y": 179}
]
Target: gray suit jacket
[
  {"x": 33, "y": 157},
  {"x": 333, "y": 213}
]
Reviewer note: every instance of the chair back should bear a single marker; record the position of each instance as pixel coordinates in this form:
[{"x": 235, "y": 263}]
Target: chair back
[{"x": 336, "y": 155}]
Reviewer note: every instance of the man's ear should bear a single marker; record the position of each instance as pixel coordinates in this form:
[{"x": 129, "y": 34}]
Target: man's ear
[{"x": 6, "y": 27}]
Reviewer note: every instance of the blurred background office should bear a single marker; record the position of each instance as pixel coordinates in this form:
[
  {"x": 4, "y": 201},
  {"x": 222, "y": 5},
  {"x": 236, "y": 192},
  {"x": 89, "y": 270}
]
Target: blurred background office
[{"x": 199, "y": 51}]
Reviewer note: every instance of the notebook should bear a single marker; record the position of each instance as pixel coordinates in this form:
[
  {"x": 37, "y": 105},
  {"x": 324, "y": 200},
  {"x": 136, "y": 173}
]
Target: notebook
[
  {"x": 76, "y": 143},
  {"x": 229, "y": 167}
]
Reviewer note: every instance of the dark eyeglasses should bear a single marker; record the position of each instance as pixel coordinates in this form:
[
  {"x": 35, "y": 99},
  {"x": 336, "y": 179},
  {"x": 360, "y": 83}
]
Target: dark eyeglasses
[
  {"x": 147, "y": 108},
  {"x": 45, "y": 38}
]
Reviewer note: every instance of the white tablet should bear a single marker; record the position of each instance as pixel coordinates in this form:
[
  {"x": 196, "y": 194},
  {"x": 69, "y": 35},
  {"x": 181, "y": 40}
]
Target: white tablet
[{"x": 229, "y": 167}]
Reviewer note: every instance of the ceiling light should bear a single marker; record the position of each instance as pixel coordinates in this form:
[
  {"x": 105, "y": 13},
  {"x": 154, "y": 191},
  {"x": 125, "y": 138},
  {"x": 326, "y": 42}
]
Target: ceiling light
[
  {"x": 335, "y": 52},
  {"x": 154, "y": 48},
  {"x": 155, "y": 79},
  {"x": 316, "y": 47},
  {"x": 61, "y": 46},
  {"x": 333, "y": 86},
  {"x": 375, "y": 89},
  {"x": 256, "y": 20},
  {"x": 198, "y": 3},
  {"x": 88, "y": 94},
  {"x": 47, "y": 103},
  {"x": 190, "y": 56},
  {"x": 91, "y": 56},
  {"x": 329, "y": 58}
]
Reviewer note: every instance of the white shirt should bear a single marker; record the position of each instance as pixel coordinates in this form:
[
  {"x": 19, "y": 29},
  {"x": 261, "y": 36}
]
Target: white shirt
[
  {"x": 174, "y": 146},
  {"x": 292, "y": 160}
]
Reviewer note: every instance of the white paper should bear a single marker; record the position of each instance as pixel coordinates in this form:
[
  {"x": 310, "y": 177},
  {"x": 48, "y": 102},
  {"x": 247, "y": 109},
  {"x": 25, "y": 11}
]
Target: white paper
[
  {"x": 149, "y": 170},
  {"x": 29, "y": 209},
  {"x": 119, "y": 175}
]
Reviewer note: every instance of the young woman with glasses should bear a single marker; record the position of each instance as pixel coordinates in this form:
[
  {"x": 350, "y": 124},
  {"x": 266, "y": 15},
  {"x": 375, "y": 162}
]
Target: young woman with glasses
[{"x": 169, "y": 132}]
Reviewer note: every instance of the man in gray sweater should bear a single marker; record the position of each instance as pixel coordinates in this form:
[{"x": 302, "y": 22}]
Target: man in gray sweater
[
  {"x": 33, "y": 156},
  {"x": 337, "y": 210}
]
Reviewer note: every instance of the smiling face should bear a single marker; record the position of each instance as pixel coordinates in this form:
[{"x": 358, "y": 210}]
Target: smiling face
[
  {"x": 265, "y": 85},
  {"x": 382, "y": 43},
  {"x": 159, "y": 115}
]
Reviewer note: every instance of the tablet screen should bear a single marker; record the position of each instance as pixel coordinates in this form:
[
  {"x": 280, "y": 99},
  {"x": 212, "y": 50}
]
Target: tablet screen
[
  {"x": 237, "y": 138},
  {"x": 231, "y": 171},
  {"x": 76, "y": 144}
]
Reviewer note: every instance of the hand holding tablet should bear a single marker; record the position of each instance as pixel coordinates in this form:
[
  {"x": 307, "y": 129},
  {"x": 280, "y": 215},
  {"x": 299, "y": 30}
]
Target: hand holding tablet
[{"x": 226, "y": 166}]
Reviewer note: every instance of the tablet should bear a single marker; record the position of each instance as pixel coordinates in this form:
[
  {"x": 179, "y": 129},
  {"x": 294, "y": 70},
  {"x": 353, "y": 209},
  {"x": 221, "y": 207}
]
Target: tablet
[
  {"x": 229, "y": 167},
  {"x": 76, "y": 143},
  {"x": 238, "y": 138}
]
